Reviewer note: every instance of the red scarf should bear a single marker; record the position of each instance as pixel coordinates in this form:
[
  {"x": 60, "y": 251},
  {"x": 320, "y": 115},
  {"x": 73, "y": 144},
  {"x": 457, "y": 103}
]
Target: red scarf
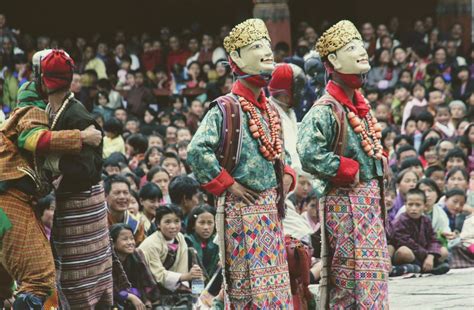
[
  {"x": 358, "y": 105},
  {"x": 241, "y": 90}
]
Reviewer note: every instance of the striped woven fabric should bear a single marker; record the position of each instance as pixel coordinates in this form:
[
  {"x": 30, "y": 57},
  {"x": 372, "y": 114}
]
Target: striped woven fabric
[
  {"x": 26, "y": 253},
  {"x": 82, "y": 249}
]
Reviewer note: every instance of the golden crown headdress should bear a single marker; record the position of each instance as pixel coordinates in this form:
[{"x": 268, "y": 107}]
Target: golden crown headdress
[
  {"x": 246, "y": 33},
  {"x": 336, "y": 37}
]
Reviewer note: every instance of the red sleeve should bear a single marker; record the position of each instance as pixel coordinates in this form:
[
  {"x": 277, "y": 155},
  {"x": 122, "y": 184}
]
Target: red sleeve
[
  {"x": 44, "y": 142},
  {"x": 219, "y": 184},
  {"x": 347, "y": 171},
  {"x": 292, "y": 173}
]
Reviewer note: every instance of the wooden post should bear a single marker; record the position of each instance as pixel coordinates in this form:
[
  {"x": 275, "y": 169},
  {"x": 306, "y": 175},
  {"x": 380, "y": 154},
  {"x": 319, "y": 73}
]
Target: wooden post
[{"x": 276, "y": 15}]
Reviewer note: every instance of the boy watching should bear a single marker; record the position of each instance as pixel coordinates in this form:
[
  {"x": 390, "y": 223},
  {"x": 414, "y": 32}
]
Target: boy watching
[
  {"x": 414, "y": 240},
  {"x": 171, "y": 163},
  {"x": 455, "y": 158},
  {"x": 435, "y": 98},
  {"x": 443, "y": 121},
  {"x": 184, "y": 192},
  {"x": 437, "y": 174},
  {"x": 410, "y": 126},
  {"x": 424, "y": 121}
]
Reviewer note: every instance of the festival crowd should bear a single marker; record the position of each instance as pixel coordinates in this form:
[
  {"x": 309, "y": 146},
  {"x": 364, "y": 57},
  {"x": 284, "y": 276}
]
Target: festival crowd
[{"x": 150, "y": 93}]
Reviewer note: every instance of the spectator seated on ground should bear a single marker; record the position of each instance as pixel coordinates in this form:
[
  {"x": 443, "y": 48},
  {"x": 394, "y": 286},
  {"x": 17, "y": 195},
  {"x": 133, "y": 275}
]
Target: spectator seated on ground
[
  {"x": 166, "y": 252},
  {"x": 144, "y": 289},
  {"x": 200, "y": 236},
  {"x": 462, "y": 253},
  {"x": 453, "y": 204},
  {"x": 415, "y": 241}
]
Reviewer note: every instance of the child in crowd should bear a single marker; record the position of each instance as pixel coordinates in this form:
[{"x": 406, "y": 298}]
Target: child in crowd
[
  {"x": 111, "y": 166},
  {"x": 400, "y": 100},
  {"x": 144, "y": 289},
  {"x": 406, "y": 180},
  {"x": 424, "y": 122},
  {"x": 427, "y": 151},
  {"x": 156, "y": 140},
  {"x": 413, "y": 164},
  {"x": 150, "y": 196},
  {"x": 438, "y": 217},
  {"x": 443, "y": 121},
  {"x": 388, "y": 136},
  {"x": 101, "y": 105},
  {"x": 183, "y": 134},
  {"x": 166, "y": 252},
  {"x": 455, "y": 158},
  {"x": 153, "y": 157},
  {"x": 149, "y": 124},
  {"x": 418, "y": 101},
  {"x": 410, "y": 126},
  {"x": 134, "y": 205},
  {"x": 437, "y": 174},
  {"x": 135, "y": 149},
  {"x": 160, "y": 177},
  {"x": 171, "y": 163},
  {"x": 113, "y": 140},
  {"x": 132, "y": 125},
  {"x": 453, "y": 206},
  {"x": 200, "y": 236},
  {"x": 415, "y": 241},
  {"x": 184, "y": 192}
]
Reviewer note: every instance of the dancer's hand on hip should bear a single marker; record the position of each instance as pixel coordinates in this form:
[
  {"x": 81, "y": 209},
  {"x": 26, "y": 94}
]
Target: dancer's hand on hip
[
  {"x": 91, "y": 136},
  {"x": 247, "y": 195}
]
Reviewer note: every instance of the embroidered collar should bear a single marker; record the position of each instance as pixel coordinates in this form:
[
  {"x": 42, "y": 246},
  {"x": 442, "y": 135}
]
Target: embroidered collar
[
  {"x": 240, "y": 89},
  {"x": 359, "y": 106}
]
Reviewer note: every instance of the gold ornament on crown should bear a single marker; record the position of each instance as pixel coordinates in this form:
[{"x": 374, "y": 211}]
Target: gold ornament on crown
[
  {"x": 246, "y": 33},
  {"x": 336, "y": 37}
]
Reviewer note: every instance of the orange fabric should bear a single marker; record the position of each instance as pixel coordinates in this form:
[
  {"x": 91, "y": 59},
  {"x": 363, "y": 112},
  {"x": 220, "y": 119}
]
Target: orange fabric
[{"x": 26, "y": 253}]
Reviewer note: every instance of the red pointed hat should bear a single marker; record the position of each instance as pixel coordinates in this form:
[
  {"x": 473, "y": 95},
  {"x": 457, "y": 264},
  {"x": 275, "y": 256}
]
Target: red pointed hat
[{"x": 57, "y": 70}]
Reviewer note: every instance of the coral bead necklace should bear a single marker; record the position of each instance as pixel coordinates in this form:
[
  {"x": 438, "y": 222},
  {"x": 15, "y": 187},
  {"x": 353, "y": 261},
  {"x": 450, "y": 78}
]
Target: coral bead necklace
[
  {"x": 371, "y": 137},
  {"x": 271, "y": 147}
]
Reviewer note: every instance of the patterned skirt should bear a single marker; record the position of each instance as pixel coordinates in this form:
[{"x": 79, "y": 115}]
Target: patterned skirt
[
  {"x": 358, "y": 259},
  {"x": 256, "y": 270},
  {"x": 82, "y": 250}
]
